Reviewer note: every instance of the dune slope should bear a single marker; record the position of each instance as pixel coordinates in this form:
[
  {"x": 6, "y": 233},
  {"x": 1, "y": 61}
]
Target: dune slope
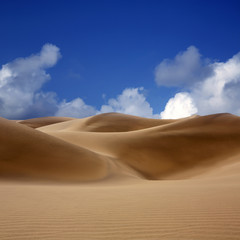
[{"x": 30, "y": 154}]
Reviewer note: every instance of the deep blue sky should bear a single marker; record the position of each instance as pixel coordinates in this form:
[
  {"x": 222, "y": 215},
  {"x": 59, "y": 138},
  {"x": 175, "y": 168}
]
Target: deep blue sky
[{"x": 107, "y": 46}]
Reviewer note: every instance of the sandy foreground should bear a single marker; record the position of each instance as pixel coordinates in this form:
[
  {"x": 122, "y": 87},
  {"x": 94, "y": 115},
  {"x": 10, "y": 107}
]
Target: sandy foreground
[{"x": 116, "y": 176}]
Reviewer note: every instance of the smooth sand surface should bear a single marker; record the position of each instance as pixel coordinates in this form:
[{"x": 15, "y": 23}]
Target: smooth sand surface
[
  {"x": 116, "y": 176},
  {"x": 43, "y": 121}
]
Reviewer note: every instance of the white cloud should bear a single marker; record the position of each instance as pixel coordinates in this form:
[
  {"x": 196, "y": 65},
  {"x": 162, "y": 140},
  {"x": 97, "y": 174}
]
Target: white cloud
[
  {"x": 220, "y": 92},
  {"x": 20, "y": 89},
  {"x": 207, "y": 88},
  {"x": 180, "y": 106},
  {"x": 21, "y": 79},
  {"x": 216, "y": 93},
  {"x": 21, "y": 97},
  {"x": 185, "y": 69},
  {"x": 45, "y": 104},
  {"x": 75, "y": 108},
  {"x": 131, "y": 101}
]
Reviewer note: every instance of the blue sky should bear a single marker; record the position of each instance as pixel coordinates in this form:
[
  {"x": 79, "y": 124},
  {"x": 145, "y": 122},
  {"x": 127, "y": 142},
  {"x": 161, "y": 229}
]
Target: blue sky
[{"x": 107, "y": 47}]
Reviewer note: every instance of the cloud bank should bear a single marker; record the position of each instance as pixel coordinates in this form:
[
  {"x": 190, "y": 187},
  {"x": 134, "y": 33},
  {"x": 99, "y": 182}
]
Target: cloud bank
[
  {"x": 21, "y": 97},
  {"x": 207, "y": 88},
  {"x": 216, "y": 90}
]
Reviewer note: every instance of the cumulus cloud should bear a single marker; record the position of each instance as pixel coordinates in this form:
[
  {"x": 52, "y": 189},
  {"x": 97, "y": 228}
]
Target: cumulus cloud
[
  {"x": 180, "y": 106},
  {"x": 75, "y": 108},
  {"x": 220, "y": 92},
  {"x": 20, "y": 89},
  {"x": 207, "y": 87},
  {"x": 20, "y": 81},
  {"x": 215, "y": 93},
  {"x": 131, "y": 101},
  {"x": 185, "y": 69},
  {"x": 21, "y": 97}
]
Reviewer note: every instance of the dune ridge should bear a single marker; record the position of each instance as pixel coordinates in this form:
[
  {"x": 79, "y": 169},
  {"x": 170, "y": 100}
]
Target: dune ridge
[{"x": 43, "y": 121}]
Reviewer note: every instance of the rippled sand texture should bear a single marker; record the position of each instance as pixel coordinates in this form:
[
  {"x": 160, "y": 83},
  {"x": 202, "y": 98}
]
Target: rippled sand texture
[{"x": 116, "y": 176}]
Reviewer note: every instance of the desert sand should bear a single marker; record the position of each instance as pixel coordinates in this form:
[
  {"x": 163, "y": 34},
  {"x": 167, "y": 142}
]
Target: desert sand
[{"x": 116, "y": 176}]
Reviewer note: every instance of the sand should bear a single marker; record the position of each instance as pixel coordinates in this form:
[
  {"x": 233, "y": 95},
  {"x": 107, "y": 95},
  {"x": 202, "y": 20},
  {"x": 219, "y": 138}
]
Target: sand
[
  {"x": 43, "y": 121},
  {"x": 116, "y": 176}
]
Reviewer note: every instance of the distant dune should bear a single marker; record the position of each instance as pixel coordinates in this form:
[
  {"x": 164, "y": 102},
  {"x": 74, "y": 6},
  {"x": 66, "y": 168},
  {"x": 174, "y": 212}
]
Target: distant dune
[
  {"x": 43, "y": 121},
  {"x": 66, "y": 178},
  {"x": 156, "y": 149}
]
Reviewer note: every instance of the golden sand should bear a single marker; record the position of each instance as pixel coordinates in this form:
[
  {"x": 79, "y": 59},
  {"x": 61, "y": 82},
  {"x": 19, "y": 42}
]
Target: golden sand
[{"x": 116, "y": 176}]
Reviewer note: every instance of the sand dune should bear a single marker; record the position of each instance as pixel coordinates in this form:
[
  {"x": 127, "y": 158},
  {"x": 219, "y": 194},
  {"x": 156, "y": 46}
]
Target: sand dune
[
  {"x": 109, "y": 122},
  {"x": 43, "y": 121},
  {"x": 161, "y": 150},
  {"x": 30, "y": 154},
  {"x": 91, "y": 178}
]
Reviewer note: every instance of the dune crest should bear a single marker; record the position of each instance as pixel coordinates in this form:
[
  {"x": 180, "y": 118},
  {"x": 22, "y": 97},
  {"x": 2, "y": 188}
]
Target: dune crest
[{"x": 43, "y": 121}]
